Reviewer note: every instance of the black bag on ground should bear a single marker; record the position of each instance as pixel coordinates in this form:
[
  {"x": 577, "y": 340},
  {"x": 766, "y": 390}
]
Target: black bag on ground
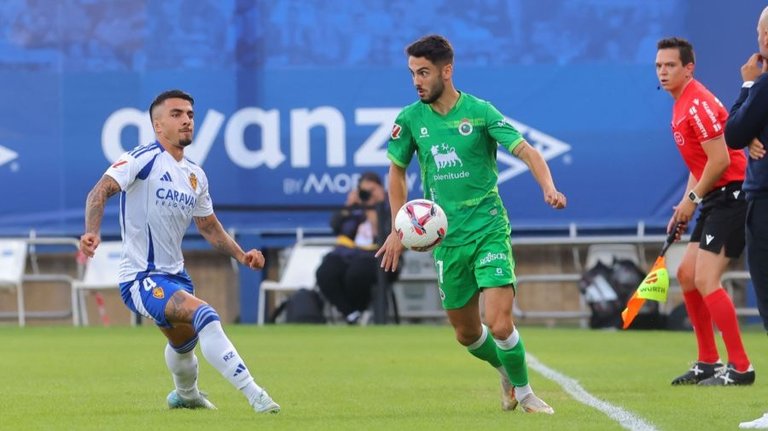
[
  {"x": 304, "y": 306},
  {"x": 626, "y": 277},
  {"x": 595, "y": 286},
  {"x": 606, "y": 290}
]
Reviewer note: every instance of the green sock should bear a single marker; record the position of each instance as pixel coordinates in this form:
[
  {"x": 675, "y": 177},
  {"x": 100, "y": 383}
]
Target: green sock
[
  {"x": 514, "y": 362},
  {"x": 485, "y": 349}
]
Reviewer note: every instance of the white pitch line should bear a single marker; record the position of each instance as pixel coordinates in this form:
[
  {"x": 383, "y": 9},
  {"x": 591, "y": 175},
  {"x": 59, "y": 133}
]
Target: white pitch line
[{"x": 625, "y": 418}]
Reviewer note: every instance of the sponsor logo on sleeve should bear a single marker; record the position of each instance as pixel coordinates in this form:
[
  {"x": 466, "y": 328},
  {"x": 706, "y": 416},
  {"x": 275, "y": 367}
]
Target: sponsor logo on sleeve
[
  {"x": 396, "y": 129},
  {"x": 697, "y": 119}
]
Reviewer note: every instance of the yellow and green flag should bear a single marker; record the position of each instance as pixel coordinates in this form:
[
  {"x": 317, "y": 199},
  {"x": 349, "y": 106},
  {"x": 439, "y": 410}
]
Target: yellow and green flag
[{"x": 654, "y": 287}]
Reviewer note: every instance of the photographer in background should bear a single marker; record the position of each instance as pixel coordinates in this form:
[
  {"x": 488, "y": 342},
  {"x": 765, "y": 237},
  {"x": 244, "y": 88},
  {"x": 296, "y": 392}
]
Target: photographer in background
[{"x": 348, "y": 273}]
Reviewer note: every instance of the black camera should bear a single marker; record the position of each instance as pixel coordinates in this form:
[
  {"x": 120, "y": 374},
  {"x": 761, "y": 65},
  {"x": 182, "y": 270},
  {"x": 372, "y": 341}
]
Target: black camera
[{"x": 364, "y": 194}]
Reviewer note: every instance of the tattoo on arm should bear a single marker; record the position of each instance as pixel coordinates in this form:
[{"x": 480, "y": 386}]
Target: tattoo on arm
[
  {"x": 214, "y": 233},
  {"x": 97, "y": 199}
]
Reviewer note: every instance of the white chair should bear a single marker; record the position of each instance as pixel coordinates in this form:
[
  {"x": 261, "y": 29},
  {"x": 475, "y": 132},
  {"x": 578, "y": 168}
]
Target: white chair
[
  {"x": 606, "y": 253},
  {"x": 101, "y": 272},
  {"x": 298, "y": 273},
  {"x": 13, "y": 259}
]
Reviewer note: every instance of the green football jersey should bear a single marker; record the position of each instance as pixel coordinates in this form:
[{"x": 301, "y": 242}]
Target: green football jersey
[{"x": 457, "y": 157}]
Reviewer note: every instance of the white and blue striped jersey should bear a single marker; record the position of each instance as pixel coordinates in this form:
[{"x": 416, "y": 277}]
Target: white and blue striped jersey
[{"x": 159, "y": 196}]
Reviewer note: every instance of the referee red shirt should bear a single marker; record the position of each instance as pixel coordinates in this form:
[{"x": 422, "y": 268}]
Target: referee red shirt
[{"x": 698, "y": 117}]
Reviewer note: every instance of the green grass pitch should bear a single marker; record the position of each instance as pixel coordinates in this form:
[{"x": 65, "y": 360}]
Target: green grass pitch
[{"x": 360, "y": 378}]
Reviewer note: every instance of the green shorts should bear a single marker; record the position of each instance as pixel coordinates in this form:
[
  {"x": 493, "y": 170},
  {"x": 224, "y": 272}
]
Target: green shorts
[{"x": 467, "y": 269}]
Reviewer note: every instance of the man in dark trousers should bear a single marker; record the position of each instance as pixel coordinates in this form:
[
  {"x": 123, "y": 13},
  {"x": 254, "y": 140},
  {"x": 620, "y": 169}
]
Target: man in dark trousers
[{"x": 748, "y": 127}]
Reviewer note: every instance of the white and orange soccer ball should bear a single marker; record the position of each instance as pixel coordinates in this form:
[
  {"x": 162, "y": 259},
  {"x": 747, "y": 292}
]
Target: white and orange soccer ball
[{"x": 421, "y": 225}]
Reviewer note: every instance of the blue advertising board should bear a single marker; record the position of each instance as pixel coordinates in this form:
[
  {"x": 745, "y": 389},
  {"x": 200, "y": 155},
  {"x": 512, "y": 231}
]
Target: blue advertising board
[{"x": 295, "y": 99}]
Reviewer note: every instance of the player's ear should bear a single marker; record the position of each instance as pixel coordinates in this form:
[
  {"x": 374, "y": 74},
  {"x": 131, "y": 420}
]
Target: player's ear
[
  {"x": 447, "y": 71},
  {"x": 689, "y": 69}
]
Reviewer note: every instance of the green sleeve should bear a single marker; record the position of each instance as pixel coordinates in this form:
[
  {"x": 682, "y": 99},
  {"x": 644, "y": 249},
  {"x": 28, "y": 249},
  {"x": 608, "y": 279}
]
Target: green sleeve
[
  {"x": 500, "y": 130},
  {"x": 401, "y": 144}
]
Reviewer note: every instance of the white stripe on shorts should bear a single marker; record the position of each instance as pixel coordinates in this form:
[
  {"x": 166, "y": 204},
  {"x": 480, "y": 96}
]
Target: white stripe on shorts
[{"x": 136, "y": 298}]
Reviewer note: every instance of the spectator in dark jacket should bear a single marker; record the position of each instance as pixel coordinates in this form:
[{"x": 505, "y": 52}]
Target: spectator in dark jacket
[{"x": 348, "y": 273}]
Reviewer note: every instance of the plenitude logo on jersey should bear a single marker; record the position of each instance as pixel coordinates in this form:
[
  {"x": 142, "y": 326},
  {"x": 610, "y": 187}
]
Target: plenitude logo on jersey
[{"x": 445, "y": 157}]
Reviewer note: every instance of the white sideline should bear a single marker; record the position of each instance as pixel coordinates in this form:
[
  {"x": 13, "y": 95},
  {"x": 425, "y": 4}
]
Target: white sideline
[{"x": 625, "y": 418}]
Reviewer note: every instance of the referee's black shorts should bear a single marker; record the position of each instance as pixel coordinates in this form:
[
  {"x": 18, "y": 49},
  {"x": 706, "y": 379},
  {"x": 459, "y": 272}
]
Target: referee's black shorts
[{"x": 721, "y": 221}]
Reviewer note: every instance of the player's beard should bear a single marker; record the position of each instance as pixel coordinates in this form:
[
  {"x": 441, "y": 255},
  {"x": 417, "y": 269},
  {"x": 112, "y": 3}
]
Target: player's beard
[
  {"x": 435, "y": 93},
  {"x": 184, "y": 142}
]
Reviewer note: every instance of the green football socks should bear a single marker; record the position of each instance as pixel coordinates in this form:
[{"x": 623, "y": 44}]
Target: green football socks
[
  {"x": 511, "y": 353},
  {"x": 485, "y": 348}
]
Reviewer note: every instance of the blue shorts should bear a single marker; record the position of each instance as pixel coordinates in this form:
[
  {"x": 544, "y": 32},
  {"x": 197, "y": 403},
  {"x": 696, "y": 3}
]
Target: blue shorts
[{"x": 149, "y": 295}]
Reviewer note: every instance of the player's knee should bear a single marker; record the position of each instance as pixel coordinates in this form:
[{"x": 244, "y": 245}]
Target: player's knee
[
  {"x": 706, "y": 284},
  {"x": 686, "y": 275},
  {"x": 185, "y": 347},
  {"x": 501, "y": 330},
  {"x": 204, "y": 315},
  {"x": 466, "y": 336}
]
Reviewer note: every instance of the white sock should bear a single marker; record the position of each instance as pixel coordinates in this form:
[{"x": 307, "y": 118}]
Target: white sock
[
  {"x": 183, "y": 367},
  {"x": 510, "y": 342},
  {"x": 503, "y": 372},
  {"x": 523, "y": 391},
  {"x": 219, "y": 352}
]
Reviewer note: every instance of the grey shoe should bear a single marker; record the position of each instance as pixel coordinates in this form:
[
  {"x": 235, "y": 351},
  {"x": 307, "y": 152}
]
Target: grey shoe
[
  {"x": 176, "y": 402},
  {"x": 530, "y": 404},
  {"x": 265, "y": 404}
]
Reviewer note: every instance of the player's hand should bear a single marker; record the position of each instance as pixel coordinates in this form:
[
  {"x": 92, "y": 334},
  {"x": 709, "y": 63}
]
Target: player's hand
[
  {"x": 681, "y": 228},
  {"x": 683, "y": 213},
  {"x": 253, "y": 259},
  {"x": 88, "y": 243},
  {"x": 753, "y": 68},
  {"x": 555, "y": 199},
  {"x": 756, "y": 149},
  {"x": 390, "y": 252}
]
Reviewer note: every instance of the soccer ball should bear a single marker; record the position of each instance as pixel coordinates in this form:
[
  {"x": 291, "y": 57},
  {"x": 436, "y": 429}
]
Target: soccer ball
[{"x": 421, "y": 225}]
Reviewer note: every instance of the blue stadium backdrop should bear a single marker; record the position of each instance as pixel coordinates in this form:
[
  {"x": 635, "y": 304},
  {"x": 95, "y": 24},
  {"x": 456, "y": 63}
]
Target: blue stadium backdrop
[{"x": 295, "y": 98}]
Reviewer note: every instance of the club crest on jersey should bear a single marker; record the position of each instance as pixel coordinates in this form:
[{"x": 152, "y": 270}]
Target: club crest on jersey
[
  {"x": 193, "y": 181},
  {"x": 396, "y": 129},
  {"x": 465, "y": 127},
  {"x": 679, "y": 140},
  {"x": 158, "y": 293}
]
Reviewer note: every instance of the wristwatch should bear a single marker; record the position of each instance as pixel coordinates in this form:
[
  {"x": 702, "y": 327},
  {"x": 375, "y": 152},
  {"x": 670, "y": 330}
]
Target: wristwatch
[{"x": 694, "y": 197}]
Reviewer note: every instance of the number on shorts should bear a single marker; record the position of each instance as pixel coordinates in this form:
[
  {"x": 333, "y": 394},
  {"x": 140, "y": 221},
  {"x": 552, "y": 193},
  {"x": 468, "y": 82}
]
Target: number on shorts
[
  {"x": 148, "y": 283},
  {"x": 439, "y": 265}
]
